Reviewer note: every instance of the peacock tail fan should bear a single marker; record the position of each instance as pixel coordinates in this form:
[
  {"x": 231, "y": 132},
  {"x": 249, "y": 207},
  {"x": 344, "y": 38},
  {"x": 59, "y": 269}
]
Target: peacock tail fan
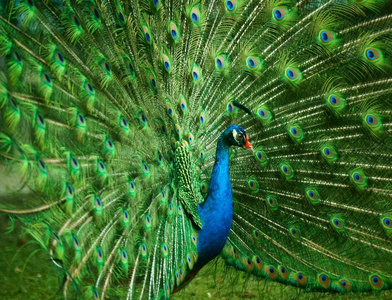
[{"x": 97, "y": 96}]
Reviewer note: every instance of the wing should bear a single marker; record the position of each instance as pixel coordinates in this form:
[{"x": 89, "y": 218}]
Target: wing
[{"x": 188, "y": 187}]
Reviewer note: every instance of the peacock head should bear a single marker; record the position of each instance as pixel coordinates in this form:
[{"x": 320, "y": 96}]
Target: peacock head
[{"x": 236, "y": 136}]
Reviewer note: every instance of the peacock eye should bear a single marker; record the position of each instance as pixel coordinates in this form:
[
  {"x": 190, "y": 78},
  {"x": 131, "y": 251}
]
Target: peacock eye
[{"x": 240, "y": 136}]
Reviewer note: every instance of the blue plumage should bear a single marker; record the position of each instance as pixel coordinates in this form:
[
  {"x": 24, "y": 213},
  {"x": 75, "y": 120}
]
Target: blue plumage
[{"x": 216, "y": 212}]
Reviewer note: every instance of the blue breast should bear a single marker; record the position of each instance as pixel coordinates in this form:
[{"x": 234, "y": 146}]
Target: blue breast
[{"x": 216, "y": 212}]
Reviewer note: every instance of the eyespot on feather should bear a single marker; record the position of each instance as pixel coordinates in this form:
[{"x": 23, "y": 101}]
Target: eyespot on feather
[
  {"x": 109, "y": 147},
  {"x": 194, "y": 238},
  {"x": 94, "y": 12},
  {"x": 105, "y": 67},
  {"x": 272, "y": 202},
  {"x": 99, "y": 254},
  {"x": 294, "y": 232},
  {"x": 97, "y": 203},
  {"x": 286, "y": 170},
  {"x": 142, "y": 118},
  {"x": 96, "y": 295},
  {"x": 131, "y": 188},
  {"x": 202, "y": 154},
  {"x": 74, "y": 163},
  {"x": 271, "y": 272},
  {"x": 59, "y": 58},
  {"x": 120, "y": 15},
  {"x": 182, "y": 104},
  {"x": 263, "y": 114},
  {"x": 190, "y": 260},
  {"x": 312, "y": 195},
  {"x": 230, "y": 108},
  {"x": 123, "y": 123},
  {"x": 174, "y": 31},
  {"x": 46, "y": 79},
  {"x": 253, "y": 63},
  {"x": 334, "y": 100},
  {"x": 253, "y": 184},
  {"x": 178, "y": 129},
  {"x": 376, "y": 282},
  {"x": 257, "y": 262},
  {"x": 40, "y": 121},
  {"x": 222, "y": 63},
  {"x": 345, "y": 284},
  {"x": 167, "y": 63},
  {"x": 152, "y": 80},
  {"x": 179, "y": 209},
  {"x": 19, "y": 59},
  {"x": 204, "y": 187},
  {"x": 231, "y": 5},
  {"x": 69, "y": 191},
  {"x": 329, "y": 153},
  {"x": 293, "y": 74},
  {"x": 156, "y": 3},
  {"x": 373, "y": 122},
  {"x": 196, "y": 74},
  {"x": 41, "y": 166},
  {"x": 75, "y": 242},
  {"x": 147, "y": 222},
  {"x": 301, "y": 278},
  {"x": 143, "y": 250},
  {"x": 326, "y": 37},
  {"x": 195, "y": 15},
  {"x": 190, "y": 138},
  {"x": 284, "y": 274},
  {"x": 170, "y": 109},
  {"x": 147, "y": 34},
  {"x": 337, "y": 223},
  {"x": 296, "y": 133},
  {"x": 170, "y": 210},
  {"x": 123, "y": 256},
  {"x": 248, "y": 263},
  {"x": 256, "y": 235},
  {"x": 202, "y": 118},
  {"x": 358, "y": 179},
  {"x": 386, "y": 223},
  {"x": 101, "y": 169},
  {"x": 129, "y": 67},
  {"x": 125, "y": 218},
  {"x": 167, "y": 290},
  {"x": 164, "y": 249},
  {"x": 219, "y": 62},
  {"x": 81, "y": 122},
  {"x": 279, "y": 13},
  {"x": 89, "y": 89},
  {"x": 372, "y": 54},
  {"x": 324, "y": 280},
  {"x": 336, "y": 103}
]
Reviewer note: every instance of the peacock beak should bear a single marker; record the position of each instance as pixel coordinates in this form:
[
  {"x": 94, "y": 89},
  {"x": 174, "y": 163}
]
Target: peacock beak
[{"x": 248, "y": 145}]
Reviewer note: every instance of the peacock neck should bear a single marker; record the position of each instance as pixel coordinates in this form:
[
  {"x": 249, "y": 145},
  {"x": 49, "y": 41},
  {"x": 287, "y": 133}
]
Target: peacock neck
[{"x": 216, "y": 212}]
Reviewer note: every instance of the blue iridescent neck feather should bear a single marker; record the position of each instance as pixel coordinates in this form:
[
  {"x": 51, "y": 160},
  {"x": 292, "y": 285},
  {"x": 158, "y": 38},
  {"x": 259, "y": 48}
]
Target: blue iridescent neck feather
[{"x": 216, "y": 212}]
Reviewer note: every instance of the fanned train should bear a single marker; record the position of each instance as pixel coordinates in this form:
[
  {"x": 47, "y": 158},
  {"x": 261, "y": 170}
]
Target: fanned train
[{"x": 129, "y": 123}]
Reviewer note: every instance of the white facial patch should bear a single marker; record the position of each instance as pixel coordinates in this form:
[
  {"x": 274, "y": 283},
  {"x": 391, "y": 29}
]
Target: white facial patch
[{"x": 235, "y": 134}]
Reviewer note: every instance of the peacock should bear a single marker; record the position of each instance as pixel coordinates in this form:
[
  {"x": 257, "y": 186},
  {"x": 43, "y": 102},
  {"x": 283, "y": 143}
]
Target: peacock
[{"x": 156, "y": 135}]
